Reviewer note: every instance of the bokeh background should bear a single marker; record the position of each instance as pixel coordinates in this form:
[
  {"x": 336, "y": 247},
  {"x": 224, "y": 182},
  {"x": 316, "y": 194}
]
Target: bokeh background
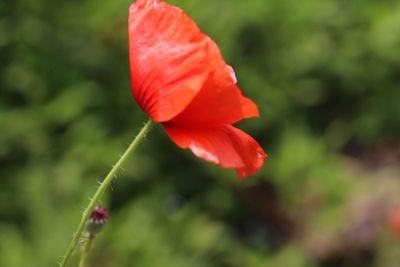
[{"x": 326, "y": 77}]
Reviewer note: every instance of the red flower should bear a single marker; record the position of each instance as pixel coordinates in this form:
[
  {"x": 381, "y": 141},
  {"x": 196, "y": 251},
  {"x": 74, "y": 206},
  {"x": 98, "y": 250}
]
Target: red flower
[
  {"x": 180, "y": 79},
  {"x": 394, "y": 220}
]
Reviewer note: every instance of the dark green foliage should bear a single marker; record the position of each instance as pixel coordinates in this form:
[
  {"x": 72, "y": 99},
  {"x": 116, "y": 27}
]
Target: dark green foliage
[{"x": 326, "y": 77}]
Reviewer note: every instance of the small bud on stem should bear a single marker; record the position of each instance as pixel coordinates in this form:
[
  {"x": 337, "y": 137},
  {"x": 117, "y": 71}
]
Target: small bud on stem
[{"x": 98, "y": 218}]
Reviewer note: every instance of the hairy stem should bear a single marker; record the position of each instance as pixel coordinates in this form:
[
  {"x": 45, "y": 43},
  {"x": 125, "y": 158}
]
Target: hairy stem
[
  {"x": 85, "y": 251},
  {"x": 103, "y": 186}
]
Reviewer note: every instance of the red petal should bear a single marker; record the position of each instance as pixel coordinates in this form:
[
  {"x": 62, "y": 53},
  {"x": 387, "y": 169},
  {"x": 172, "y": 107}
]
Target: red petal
[
  {"x": 219, "y": 102},
  {"x": 226, "y": 146},
  {"x": 168, "y": 58},
  {"x": 177, "y": 69}
]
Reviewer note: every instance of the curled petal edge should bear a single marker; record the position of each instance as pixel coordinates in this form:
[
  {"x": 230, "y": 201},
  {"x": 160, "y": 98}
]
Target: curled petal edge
[{"x": 226, "y": 146}]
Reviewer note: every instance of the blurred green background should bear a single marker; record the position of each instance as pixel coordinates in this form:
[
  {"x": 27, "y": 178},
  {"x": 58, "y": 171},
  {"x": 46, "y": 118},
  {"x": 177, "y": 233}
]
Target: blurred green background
[{"x": 326, "y": 77}]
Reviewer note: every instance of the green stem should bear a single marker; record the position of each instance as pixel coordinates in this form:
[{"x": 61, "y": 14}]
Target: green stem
[
  {"x": 103, "y": 186},
  {"x": 85, "y": 251}
]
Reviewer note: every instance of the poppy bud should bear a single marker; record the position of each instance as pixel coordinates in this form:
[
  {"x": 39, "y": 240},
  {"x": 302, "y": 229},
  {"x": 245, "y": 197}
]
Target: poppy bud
[{"x": 96, "y": 221}]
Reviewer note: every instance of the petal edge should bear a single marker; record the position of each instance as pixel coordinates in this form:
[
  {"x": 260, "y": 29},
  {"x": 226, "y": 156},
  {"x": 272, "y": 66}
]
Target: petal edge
[{"x": 226, "y": 146}]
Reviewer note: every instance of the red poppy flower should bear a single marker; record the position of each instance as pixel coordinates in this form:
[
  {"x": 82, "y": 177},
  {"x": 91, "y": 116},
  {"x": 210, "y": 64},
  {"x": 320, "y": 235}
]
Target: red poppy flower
[
  {"x": 180, "y": 79},
  {"x": 394, "y": 220}
]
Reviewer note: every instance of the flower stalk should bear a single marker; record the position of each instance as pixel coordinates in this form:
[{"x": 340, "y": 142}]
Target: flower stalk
[
  {"x": 85, "y": 251},
  {"x": 102, "y": 188}
]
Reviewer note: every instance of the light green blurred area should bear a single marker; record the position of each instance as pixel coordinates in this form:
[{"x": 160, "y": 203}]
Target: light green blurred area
[{"x": 326, "y": 78}]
